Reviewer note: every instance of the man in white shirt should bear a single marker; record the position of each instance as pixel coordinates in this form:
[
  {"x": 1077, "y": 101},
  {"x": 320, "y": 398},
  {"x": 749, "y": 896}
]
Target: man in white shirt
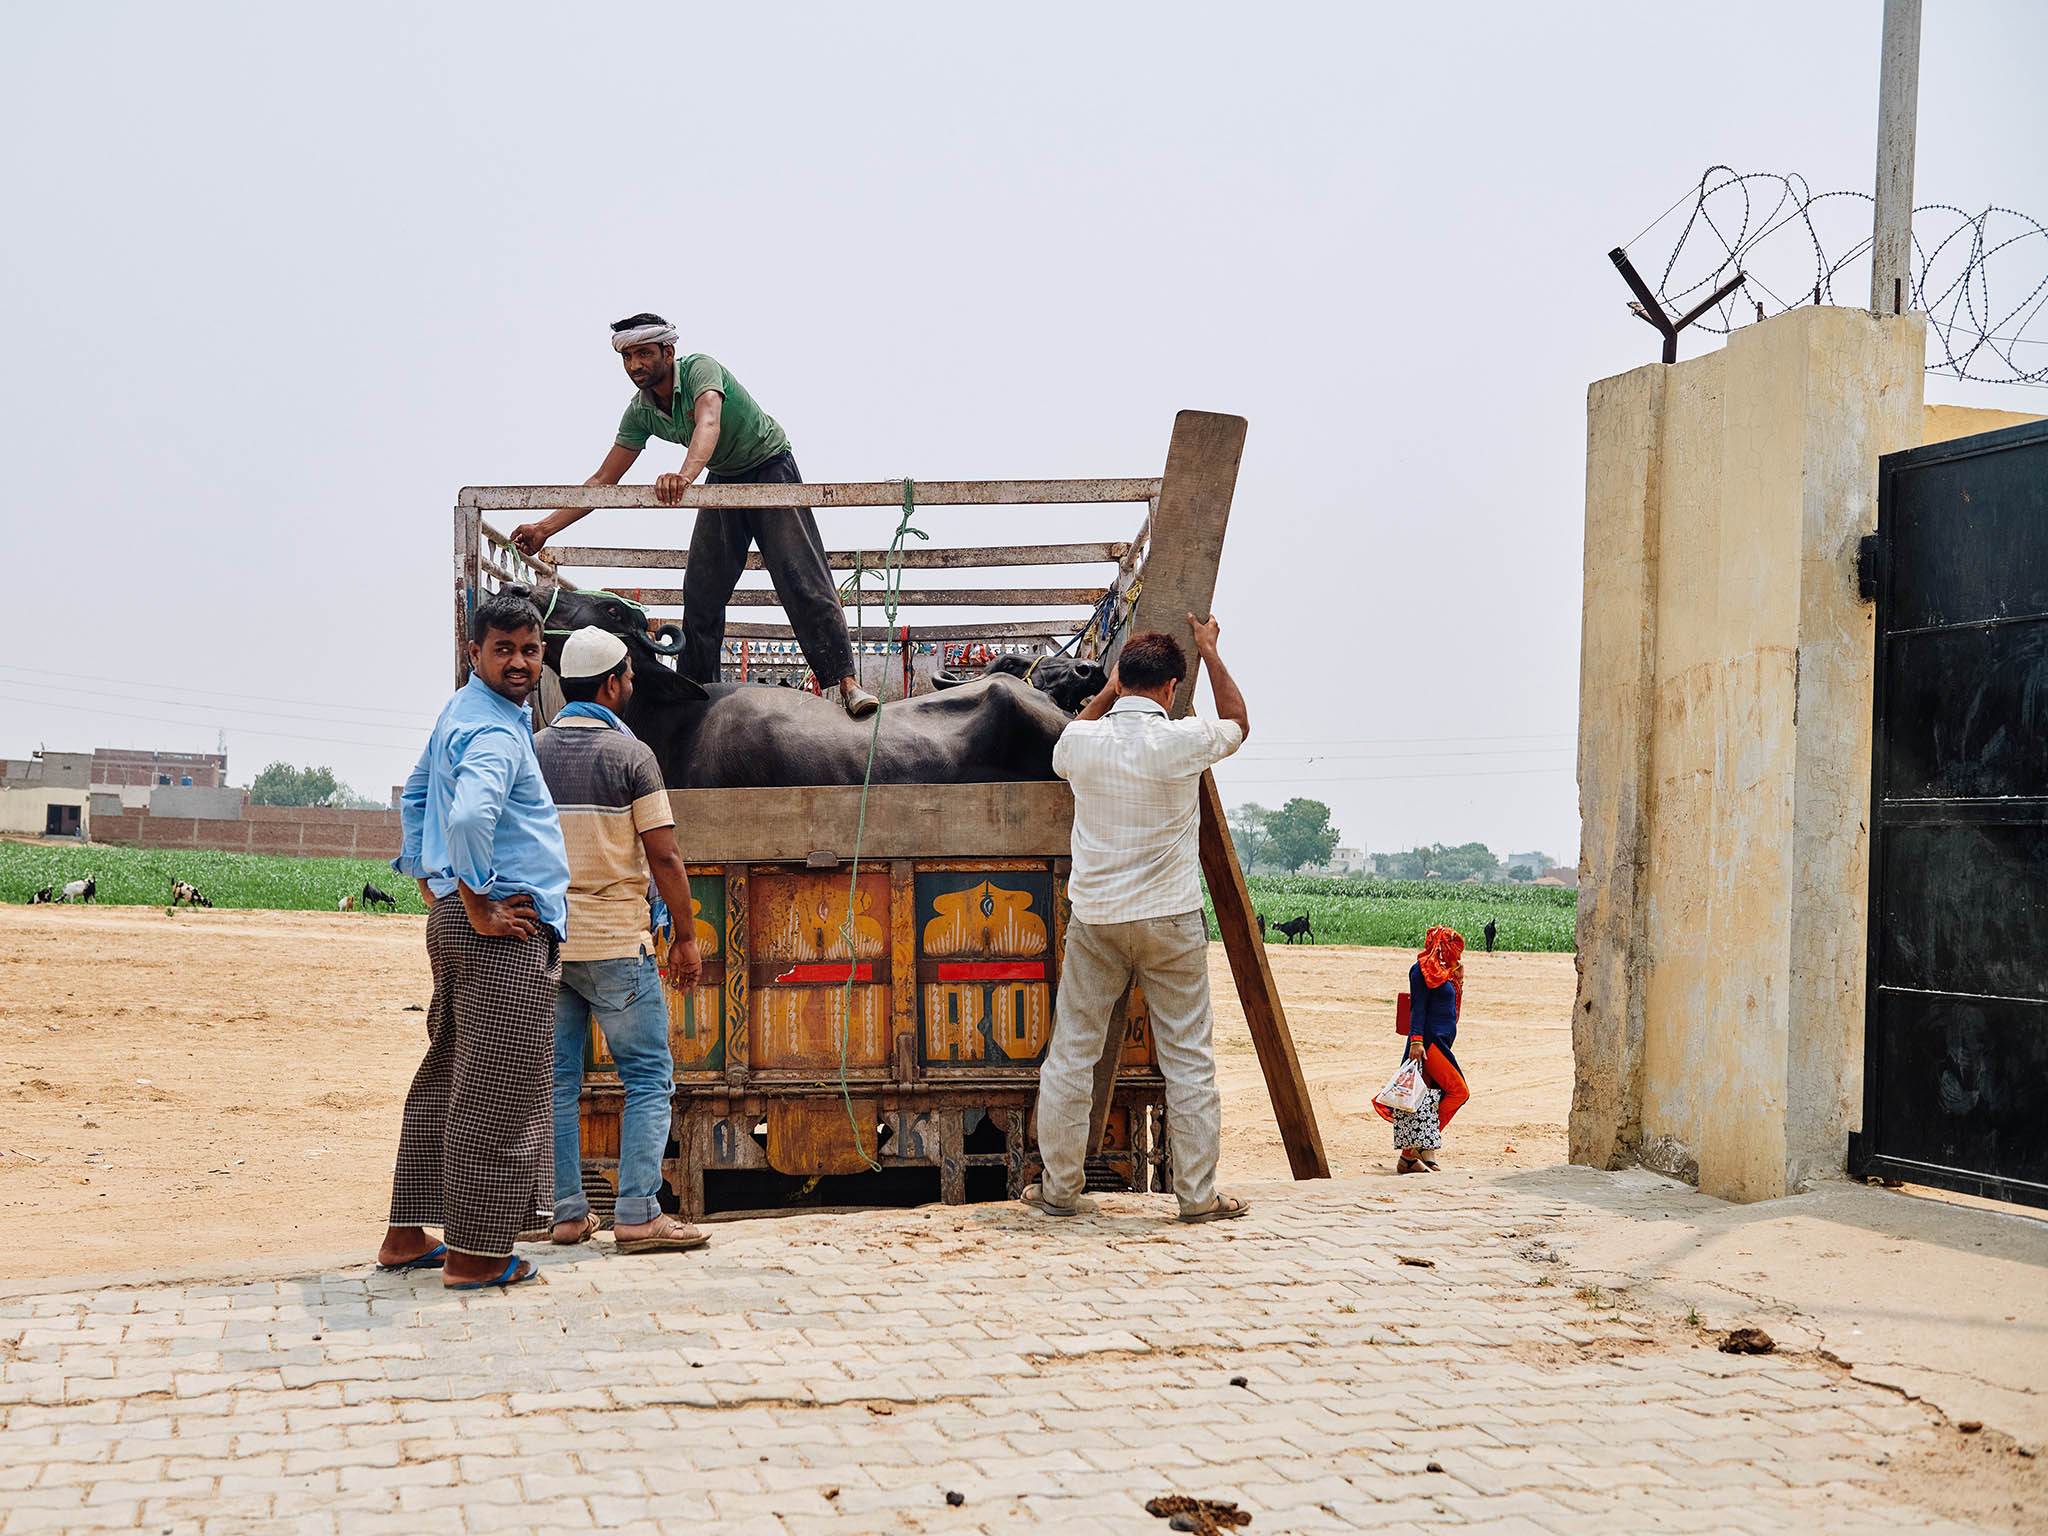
[{"x": 1136, "y": 893}]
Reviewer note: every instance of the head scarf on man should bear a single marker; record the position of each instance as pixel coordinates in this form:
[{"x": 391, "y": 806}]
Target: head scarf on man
[
  {"x": 1443, "y": 959},
  {"x": 661, "y": 334}
]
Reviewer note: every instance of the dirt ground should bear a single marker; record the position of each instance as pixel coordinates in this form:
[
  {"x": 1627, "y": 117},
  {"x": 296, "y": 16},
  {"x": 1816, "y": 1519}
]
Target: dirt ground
[{"x": 183, "y": 1091}]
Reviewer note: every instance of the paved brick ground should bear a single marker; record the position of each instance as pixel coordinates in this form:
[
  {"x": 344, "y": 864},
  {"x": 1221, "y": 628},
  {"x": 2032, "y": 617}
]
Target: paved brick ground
[{"x": 843, "y": 1373}]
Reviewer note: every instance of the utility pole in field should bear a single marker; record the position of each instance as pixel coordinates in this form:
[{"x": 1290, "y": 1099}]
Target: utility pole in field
[{"x": 1898, "y": 111}]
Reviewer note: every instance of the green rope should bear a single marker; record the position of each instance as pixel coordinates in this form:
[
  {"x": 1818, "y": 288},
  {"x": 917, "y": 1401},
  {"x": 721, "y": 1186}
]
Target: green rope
[{"x": 892, "y": 586}]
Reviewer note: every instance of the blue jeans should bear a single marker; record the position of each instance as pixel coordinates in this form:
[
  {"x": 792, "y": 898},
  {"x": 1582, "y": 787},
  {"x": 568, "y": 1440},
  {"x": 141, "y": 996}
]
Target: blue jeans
[{"x": 625, "y": 998}]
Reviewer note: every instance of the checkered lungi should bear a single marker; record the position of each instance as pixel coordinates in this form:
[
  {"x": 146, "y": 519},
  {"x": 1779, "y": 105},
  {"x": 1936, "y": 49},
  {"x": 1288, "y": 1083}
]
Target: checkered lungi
[{"x": 476, "y": 1150}]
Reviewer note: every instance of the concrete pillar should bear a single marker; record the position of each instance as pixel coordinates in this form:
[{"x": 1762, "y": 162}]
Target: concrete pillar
[{"x": 1724, "y": 755}]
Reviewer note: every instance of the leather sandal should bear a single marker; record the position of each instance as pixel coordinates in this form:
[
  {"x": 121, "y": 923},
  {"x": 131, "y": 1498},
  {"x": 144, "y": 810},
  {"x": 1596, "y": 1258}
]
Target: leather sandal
[
  {"x": 669, "y": 1236},
  {"x": 1224, "y": 1209}
]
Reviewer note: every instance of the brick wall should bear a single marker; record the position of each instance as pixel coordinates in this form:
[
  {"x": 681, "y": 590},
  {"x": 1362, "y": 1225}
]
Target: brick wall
[{"x": 300, "y": 831}]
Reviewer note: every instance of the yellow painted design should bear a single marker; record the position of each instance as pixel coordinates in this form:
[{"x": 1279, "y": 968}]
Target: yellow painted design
[
  {"x": 811, "y": 921},
  {"x": 987, "y": 920},
  {"x": 1018, "y": 1016}
]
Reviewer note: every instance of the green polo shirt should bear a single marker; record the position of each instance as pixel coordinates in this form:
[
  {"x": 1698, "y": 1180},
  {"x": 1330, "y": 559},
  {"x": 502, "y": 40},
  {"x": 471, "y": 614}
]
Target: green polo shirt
[{"x": 747, "y": 435}]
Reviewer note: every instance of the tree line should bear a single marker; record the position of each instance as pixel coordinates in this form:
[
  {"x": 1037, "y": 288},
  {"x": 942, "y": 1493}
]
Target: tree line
[{"x": 1300, "y": 835}]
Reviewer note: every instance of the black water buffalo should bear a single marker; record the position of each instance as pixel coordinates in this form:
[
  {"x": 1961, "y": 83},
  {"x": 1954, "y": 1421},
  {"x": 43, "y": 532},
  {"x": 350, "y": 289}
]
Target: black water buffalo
[
  {"x": 1067, "y": 680},
  {"x": 754, "y": 735},
  {"x": 1296, "y": 928}
]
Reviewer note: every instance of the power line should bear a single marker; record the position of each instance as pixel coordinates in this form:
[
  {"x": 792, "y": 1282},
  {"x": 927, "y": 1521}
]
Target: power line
[
  {"x": 268, "y": 698},
  {"x": 1389, "y": 778},
  {"x": 94, "y": 709},
  {"x": 1409, "y": 741},
  {"x": 214, "y": 712},
  {"x": 1353, "y": 757}
]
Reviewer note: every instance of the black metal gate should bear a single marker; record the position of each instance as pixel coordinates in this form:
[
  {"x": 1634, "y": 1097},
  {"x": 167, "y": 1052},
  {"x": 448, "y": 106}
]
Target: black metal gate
[{"x": 1955, "y": 1075}]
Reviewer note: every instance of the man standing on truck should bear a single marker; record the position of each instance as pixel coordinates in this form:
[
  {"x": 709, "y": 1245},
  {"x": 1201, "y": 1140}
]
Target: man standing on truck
[
  {"x": 618, "y": 826},
  {"x": 694, "y": 401}
]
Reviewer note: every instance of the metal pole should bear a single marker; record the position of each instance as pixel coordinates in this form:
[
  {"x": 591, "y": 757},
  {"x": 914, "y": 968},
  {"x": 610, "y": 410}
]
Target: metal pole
[{"x": 1898, "y": 111}]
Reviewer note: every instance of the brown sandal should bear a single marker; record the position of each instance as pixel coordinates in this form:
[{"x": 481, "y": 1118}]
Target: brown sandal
[
  {"x": 1226, "y": 1207},
  {"x": 592, "y": 1225},
  {"x": 1409, "y": 1164},
  {"x": 671, "y": 1236}
]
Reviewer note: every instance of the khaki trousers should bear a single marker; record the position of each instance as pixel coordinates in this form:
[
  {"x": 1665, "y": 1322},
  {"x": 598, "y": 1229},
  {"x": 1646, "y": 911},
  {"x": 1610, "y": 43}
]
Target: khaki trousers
[{"x": 1169, "y": 958}]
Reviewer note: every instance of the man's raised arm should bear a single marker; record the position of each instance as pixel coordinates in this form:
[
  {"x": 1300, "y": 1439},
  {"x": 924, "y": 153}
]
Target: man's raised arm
[{"x": 531, "y": 537}]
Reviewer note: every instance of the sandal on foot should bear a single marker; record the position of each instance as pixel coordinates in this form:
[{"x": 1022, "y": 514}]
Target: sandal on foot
[
  {"x": 433, "y": 1258},
  {"x": 1431, "y": 1166},
  {"x": 860, "y": 703},
  {"x": 1409, "y": 1164},
  {"x": 1034, "y": 1196},
  {"x": 517, "y": 1272},
  {"x": 1226, "y": 1206},
  {"x": 671, "y": 1236},
  {"x": 592, "y": 1225}
]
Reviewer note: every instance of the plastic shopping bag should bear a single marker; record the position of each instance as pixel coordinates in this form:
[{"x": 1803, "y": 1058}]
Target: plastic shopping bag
[{"x": 1407, "y": 1090}]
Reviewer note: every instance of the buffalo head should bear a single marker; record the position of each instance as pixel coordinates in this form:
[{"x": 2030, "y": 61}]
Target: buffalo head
[
  {"x": 1068, "y": 681},
  {"x": 566, "y": 609}
]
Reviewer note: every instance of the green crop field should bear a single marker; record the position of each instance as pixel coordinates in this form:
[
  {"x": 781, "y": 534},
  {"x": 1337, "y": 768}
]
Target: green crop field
[
  {"x": 141, "y": 877},
  {"x": 1399, "y": 912},
  {"x": 1388, "y": 912}
]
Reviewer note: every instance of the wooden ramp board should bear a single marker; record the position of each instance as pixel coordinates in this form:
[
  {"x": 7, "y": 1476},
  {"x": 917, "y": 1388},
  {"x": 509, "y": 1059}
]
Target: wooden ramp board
[{"x": 1180, "y": 578}]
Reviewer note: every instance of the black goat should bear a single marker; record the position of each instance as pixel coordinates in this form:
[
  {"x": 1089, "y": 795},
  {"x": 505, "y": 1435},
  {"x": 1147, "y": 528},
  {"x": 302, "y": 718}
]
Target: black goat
[
  {"x": 1296, "y": 928},
  {"x": 373, "y": 897}
]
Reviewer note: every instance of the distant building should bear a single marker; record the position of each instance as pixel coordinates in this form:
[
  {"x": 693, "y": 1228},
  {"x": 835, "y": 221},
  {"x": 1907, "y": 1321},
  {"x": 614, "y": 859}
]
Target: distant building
[
  {"x": 1563, "y": 874},
  {"x": 1342, "y": 861},
  {"x": 47, "y": 795},
  {"x": 1535, "y": 863},
  {"x": 116, "y": 767}
]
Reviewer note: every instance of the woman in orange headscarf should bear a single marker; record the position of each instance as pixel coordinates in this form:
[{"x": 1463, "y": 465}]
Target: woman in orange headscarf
[{"x": 1436, "y": 989}]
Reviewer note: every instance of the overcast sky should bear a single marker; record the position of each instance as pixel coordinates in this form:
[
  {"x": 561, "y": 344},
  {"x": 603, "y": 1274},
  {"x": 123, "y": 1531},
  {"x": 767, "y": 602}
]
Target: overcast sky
[{"x": 276, "y": 284}]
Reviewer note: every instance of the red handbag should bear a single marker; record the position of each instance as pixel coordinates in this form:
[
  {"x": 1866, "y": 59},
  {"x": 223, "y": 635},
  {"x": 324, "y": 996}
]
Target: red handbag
[{"x": 1402, "y": 1006}]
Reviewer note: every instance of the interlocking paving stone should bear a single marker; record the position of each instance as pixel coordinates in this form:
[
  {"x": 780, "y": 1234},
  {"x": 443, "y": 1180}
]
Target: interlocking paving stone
[{"x": 844, "y": 1372}]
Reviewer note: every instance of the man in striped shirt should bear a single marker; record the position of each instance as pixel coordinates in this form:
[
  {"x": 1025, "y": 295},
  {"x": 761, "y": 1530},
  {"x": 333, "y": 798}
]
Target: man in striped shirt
[
  {"x": 1136, "y": 893},
  {"x": 617, "y": 825}
]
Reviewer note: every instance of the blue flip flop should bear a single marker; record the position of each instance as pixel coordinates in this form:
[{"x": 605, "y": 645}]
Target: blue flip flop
[
  {"x": 433, "y": 1258},
  {"x": 509, "y": 1278}
]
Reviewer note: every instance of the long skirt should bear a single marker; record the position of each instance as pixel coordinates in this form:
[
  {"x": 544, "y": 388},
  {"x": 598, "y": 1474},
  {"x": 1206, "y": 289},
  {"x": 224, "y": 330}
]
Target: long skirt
[
  {"x": 1419, "y": 1130},
  {"x": 476, "y": 1148},
  {"x": 1449, "y": 1091}
]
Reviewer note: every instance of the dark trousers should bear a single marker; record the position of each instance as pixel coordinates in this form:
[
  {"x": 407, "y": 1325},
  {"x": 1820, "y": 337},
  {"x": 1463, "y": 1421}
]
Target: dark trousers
[{"x": 795, "y": 557}]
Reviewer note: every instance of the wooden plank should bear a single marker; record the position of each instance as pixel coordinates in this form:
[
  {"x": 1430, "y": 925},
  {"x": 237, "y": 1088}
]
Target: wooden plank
[
  {"x": 468, "y": 548},
  {"x": 905, "y": 821},
  {"x": 965, "y": 558},
  {"x": 861, "y": 493},
  {"x": 993, "y": 629},
  {"x": 1187, "y": 532},
  {"x": 903, "y": 944},
  {"x": 1255, "y": 989},
  {"x": 912, "y": 597}
]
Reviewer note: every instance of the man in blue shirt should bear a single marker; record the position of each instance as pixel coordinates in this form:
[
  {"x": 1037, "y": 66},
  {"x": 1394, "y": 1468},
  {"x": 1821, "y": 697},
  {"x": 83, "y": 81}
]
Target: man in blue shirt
[{"x": 476, "y": 1148}]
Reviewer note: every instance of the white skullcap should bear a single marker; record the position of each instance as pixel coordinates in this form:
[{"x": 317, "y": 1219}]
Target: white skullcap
[{"x": 591, "y": 652}]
